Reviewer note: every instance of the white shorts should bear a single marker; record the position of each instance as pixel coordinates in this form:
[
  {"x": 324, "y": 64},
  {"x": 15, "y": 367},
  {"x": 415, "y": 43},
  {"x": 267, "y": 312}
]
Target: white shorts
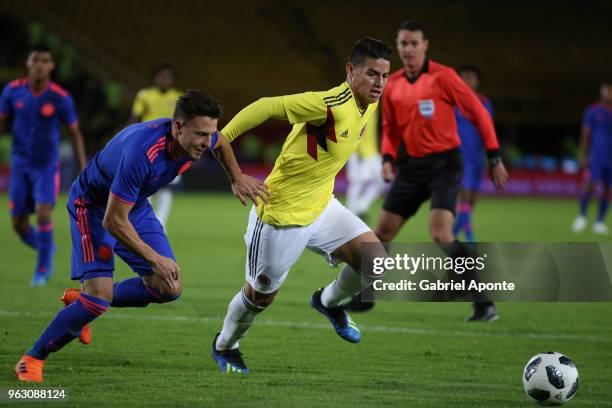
[{"x": 272, "y": 250}]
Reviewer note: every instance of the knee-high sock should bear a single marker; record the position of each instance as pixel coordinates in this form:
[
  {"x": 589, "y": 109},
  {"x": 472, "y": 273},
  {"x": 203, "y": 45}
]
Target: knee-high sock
[
  {"x": 240, "y": 315},
  {"x": 585, "y": 200},
  {"x": 68, "y": 324},
  {"x": 133, "y": 292},
  {"x": 29, "y": 237},
  {"x": 343, "y": 288},
  {"x": 163, "y": 205},
  {"x": 604, "y": 203},
  {"x": 44, "y": 247},
  {"x": 463, "y": 218}
]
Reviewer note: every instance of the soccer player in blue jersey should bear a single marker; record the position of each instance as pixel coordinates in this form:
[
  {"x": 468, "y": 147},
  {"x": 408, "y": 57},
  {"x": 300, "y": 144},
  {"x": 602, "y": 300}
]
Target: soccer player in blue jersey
[
  {"x": 596, "y": 153},
  {"x": 473, "y": 156},
  {"x": 37, "y": 106},
  {"x": 109, "y": 214}
]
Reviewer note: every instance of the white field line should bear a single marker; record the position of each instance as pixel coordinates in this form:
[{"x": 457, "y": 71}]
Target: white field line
[{"x": 324, "y": 326}]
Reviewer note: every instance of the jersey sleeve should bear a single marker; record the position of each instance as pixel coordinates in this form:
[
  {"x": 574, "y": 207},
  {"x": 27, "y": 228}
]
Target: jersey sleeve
[
  {"x": 68, "y": 113},
  {"x": 466, "y": 100},
  {"x": 305, "y": 107},
  {"x": 139, "y": 109},
  {"x": 133, "y": 171},
  {"x": 6, "y": 107},
  {"x": 390, "y": 138}
]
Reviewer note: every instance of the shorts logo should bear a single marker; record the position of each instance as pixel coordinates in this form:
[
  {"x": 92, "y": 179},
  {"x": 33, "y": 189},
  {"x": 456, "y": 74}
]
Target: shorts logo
[
  {"x": 427, "y": 108},
  {"x": 344, "y": 134},
  {"x": 47, "y": 109},
  {"x": 105, "y": 253},
  {"x": 263, "y": 280}
]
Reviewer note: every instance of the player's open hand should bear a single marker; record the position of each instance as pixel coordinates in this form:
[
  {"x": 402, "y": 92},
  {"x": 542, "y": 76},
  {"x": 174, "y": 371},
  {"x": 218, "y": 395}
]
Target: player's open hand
[
  {"x": 499, "y": 175},
  {"x": 167, "y": 270},
  {"x": 245, "y": 187},
  {"x": 388, "y": 173}
]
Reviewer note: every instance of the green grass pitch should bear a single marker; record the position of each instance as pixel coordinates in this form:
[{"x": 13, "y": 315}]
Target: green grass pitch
[{"x": 411, "y": 355}]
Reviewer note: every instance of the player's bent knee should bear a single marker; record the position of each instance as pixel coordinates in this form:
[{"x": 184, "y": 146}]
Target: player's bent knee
[
  {"x": 100, "y": 291},
  {"x": 168, "y": 294},
  {"x": 20, "y": 226},
  {"x": 259, "y": 299}
]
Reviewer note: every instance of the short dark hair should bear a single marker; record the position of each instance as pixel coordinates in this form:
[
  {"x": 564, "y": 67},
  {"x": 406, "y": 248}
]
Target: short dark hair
[
  {"x": 369, "y": 48},
  {"x": 164, "y": 67},
  {"x": 413, "y": 25},
  {"x": 39, "y": 48},
  {"x": 196, "y": 103},
  {"x": 469, "y": 68}
]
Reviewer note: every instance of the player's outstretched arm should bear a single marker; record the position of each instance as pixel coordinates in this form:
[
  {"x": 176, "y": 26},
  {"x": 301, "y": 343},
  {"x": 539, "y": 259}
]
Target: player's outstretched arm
[
  {"x": 78, "y": 145},
  {"x": 244, "y": 186},
  {"x": 117, "y": 223}
]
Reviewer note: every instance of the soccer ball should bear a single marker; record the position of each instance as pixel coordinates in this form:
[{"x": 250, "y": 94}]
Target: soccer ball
[{"x": 550, "y": 378}]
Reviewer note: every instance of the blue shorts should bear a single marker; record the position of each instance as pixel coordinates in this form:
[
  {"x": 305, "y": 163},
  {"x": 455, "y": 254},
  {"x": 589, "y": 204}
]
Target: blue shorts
[
  {"x": 93, "y": 247},
  {"x": 600, "y": 170},
  {"x": 472, "y": 174},
  {"x": 31, "y": 186}
]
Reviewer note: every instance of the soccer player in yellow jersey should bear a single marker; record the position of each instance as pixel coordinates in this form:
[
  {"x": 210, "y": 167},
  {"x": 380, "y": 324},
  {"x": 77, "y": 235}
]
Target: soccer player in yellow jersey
[
  {"x": 363, "y": 172},
  {"x": 158, "y": 102},
  {"x": 300, "y": 210}
]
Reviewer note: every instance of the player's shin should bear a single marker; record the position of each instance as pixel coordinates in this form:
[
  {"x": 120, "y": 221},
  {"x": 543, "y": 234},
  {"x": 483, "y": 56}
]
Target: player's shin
[
  {"x": 44, "y": 246},
  {"x": 68, "y": 324},
  {"x": 240, "y": 315},
  {"x": 29, "y": 237},
  {"x": 343, "y": 288},
  {"x": 604, "y": 203}
]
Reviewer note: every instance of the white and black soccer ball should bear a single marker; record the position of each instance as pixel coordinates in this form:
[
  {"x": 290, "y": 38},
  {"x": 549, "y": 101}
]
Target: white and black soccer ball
[{"x": 550, "y": 378}]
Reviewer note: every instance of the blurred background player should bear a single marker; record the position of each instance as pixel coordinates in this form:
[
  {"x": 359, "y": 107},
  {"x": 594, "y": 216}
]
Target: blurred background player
[
  {"x": 420, "y": 141},
  {"x": 152, "y": 103},
  {"x": 363, "y": 172},
  {"x": 596, "y": 152},
  {"x": 473, "y": 156},
  {"x": 37, "y": 106}
]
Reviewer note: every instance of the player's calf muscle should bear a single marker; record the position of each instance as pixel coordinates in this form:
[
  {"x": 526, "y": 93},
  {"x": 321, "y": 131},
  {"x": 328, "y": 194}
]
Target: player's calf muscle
[{"x": 99, "y": 287}]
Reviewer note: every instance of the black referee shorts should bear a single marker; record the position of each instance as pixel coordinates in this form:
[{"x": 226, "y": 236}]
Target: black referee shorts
[{"x": 436, "y": 176}]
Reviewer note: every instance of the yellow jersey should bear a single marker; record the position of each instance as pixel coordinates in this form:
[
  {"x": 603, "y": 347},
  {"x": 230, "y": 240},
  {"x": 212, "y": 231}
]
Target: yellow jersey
[
  {"x": 327, "y": 127},
  {"x": 151, "y": 103},
  {"x": 368, "y": 147}
]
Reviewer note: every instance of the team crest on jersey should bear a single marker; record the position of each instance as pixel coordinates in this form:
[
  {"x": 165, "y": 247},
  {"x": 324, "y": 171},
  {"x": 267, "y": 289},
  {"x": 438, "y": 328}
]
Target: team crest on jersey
[
  {"x": 427, "y": 108},
  {"x": 47, "y": 109},
  {"x": 344, "y": 134},
  {"x": 19, "y": 105},
  {"x": 361, "y": 132}
]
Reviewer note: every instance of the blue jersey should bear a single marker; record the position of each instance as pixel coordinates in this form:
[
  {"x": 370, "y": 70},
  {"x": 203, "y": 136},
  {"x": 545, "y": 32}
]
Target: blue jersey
[
  {"x": 598, "y": 119},
  {"x": 471, "y": 142},
  {"x": 36, "y": 122},
  {"x": 132, "y": 166}
]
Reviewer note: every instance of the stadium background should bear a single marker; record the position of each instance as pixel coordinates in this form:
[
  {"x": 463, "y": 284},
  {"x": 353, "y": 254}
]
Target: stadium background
[{"x": 543, "y": 63}]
